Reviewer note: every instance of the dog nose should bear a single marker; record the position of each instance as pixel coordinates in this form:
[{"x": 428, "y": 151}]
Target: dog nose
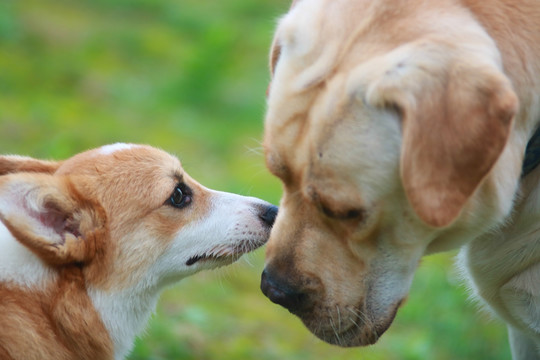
[
  {"x": 269, "y": 215},
  {"x": 281, "y": 293}
]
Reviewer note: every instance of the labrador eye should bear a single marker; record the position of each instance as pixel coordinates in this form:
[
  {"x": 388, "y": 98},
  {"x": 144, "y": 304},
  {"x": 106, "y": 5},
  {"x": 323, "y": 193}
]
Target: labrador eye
[
  {"x": 180, "y": 197},
  {"x": 352, "y": 214}
]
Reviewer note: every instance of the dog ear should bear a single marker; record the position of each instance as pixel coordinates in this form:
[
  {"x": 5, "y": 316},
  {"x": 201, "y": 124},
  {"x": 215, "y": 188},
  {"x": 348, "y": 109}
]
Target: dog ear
[
  {"x": 46, "y": 214},
  {"x": 457, "y": 115},
  {"x": 275, "y": 52},
  {"x": 275, "y": 48},
  {"x": 14, "y": 164}
]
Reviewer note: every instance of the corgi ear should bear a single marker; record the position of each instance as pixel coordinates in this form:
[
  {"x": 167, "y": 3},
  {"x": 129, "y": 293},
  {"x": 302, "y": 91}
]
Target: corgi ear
[
  {"x": 14, "y": 164},
  {"x": 47, "y": 215},
  {"x": 457, "y": 117}
]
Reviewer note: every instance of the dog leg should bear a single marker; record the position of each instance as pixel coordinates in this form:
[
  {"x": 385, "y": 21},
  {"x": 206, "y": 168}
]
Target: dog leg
[
  {"x": 521, "y": 297},
  {"x": 522, "y": 347}
]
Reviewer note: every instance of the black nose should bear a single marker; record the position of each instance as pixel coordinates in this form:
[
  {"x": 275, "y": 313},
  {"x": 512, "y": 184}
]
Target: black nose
[
  {"x": 281, "y": 293},
  {"x": 269, "y": 214}
]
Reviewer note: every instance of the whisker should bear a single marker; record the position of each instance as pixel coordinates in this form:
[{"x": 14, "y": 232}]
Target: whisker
[
  {"x": 355, "y": 323},
  {"x": 334, "y": 327},
  {"x": 339, "y": 319},
  {"x": 247, "y": 259},
  {"x": 360, "y": 315},
  {"x": 254, "y": 150}
]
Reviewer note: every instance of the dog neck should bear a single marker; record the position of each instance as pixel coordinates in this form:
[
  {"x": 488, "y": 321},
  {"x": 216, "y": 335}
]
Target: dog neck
[
  {"x": 125, "y": 314},
  {"x": 125, "y": 311}
]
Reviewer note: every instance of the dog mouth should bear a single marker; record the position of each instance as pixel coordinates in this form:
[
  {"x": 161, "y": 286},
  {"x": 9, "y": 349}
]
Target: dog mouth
[
  {"x": 211, "y": 257},
  {"x": 225, "y": 255}
]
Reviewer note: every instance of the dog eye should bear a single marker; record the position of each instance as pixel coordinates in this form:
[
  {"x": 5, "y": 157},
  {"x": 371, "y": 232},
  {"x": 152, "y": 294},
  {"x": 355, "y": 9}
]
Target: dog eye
[
  {"x": 180, "y": 196},
  {"x": 352, "y": 214}
]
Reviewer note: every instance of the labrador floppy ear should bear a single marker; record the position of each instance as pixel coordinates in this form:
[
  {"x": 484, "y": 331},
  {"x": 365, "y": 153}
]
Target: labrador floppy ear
[
  {"x": 275, "y": 48},
  {"x": 275, "y": 52},
  {"x": 14, "y": 164},
  {"x": 457, "y": 115},
  {"x": 46, "y": 214}
]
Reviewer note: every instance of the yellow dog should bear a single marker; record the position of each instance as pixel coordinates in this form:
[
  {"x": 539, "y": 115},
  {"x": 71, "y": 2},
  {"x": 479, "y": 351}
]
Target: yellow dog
[{"x": 398, "y": 129}]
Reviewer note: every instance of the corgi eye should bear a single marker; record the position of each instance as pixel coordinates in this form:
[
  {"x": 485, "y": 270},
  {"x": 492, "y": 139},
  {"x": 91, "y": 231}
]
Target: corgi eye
[{"x": 180, "y": 196}]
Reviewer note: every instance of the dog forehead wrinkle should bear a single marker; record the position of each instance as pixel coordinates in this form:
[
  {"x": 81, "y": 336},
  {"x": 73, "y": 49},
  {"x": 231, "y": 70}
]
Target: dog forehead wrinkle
[
  {"x": 286, "y": 164},
  {"x": 299, "y": 34},
  {"x": 277, "y": 166},
  {"x": 291, "y": 33}
]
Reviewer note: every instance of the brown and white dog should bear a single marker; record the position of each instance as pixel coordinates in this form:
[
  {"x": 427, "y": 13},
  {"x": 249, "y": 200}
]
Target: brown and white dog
[
  {"x": 87, "y": 244},
  {"x": 398, "y": 129}
]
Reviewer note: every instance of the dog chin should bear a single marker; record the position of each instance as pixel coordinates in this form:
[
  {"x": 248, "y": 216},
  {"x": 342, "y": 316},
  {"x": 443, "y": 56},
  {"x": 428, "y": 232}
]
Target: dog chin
[{"x": 350, "y": 330}]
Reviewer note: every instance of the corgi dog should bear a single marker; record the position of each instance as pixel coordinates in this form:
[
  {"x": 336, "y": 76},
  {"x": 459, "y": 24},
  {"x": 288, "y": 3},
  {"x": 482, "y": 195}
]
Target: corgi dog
[{"x": 87, "y": 245}]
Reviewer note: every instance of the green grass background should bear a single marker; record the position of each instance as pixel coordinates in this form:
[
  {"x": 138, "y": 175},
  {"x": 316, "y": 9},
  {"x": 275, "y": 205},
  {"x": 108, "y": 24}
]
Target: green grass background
[{"x": 190, "y": 76}]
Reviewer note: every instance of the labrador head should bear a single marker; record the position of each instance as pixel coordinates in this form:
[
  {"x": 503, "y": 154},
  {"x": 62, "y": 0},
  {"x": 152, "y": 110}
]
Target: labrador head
[{"x": 386, "y": 137}]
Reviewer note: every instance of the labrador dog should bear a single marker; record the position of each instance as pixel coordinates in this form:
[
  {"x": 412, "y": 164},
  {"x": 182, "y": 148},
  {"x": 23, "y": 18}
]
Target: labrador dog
[{"x": 399, "y": 128}]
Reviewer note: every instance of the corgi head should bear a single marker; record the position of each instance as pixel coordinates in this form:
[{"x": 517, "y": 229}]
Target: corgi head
[
  {"x": 130, "y": 217},
  {"x": 139, "y": 207}
]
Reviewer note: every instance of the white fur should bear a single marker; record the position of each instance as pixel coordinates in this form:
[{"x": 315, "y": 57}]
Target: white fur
[
  {"x": 112, "y": 148},
  {"x": 20, "y": 266},
  {"x": 512, "y": 292},
  {"x": 11, "y": 207},
  {"x": 522, "y": 297},
  {"x": 125, "y": 314}
]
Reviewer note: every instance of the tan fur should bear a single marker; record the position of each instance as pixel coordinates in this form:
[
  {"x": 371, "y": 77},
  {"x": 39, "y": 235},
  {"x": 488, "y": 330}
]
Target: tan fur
[
  {"x": 398, "y": 128},
  {"x": 59, "y": 323},
  {"x": 15, "y": 164}
]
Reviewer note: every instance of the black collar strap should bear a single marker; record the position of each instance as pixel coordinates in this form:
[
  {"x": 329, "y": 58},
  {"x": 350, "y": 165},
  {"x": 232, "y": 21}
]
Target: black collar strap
[{"x": 532, "y": 154}]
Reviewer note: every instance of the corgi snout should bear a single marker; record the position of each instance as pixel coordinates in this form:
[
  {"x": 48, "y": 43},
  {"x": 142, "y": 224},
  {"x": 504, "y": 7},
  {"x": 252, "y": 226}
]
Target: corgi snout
[
  {"x": 240, "y": 225},
  {"x": 268, "y": 214}
]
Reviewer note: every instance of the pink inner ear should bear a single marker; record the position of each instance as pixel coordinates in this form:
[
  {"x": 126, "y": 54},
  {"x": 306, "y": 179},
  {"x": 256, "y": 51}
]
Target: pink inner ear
[
  {"x": 52, "y": 220},
  {"x": 37, "y": 209},
  {"x": 70, "y": 226},
  {"x": 59, "y": 221}
]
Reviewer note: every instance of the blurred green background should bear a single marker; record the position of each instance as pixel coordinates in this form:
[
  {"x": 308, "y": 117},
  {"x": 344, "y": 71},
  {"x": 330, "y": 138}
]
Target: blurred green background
[{"x": 190, "y": 76}]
